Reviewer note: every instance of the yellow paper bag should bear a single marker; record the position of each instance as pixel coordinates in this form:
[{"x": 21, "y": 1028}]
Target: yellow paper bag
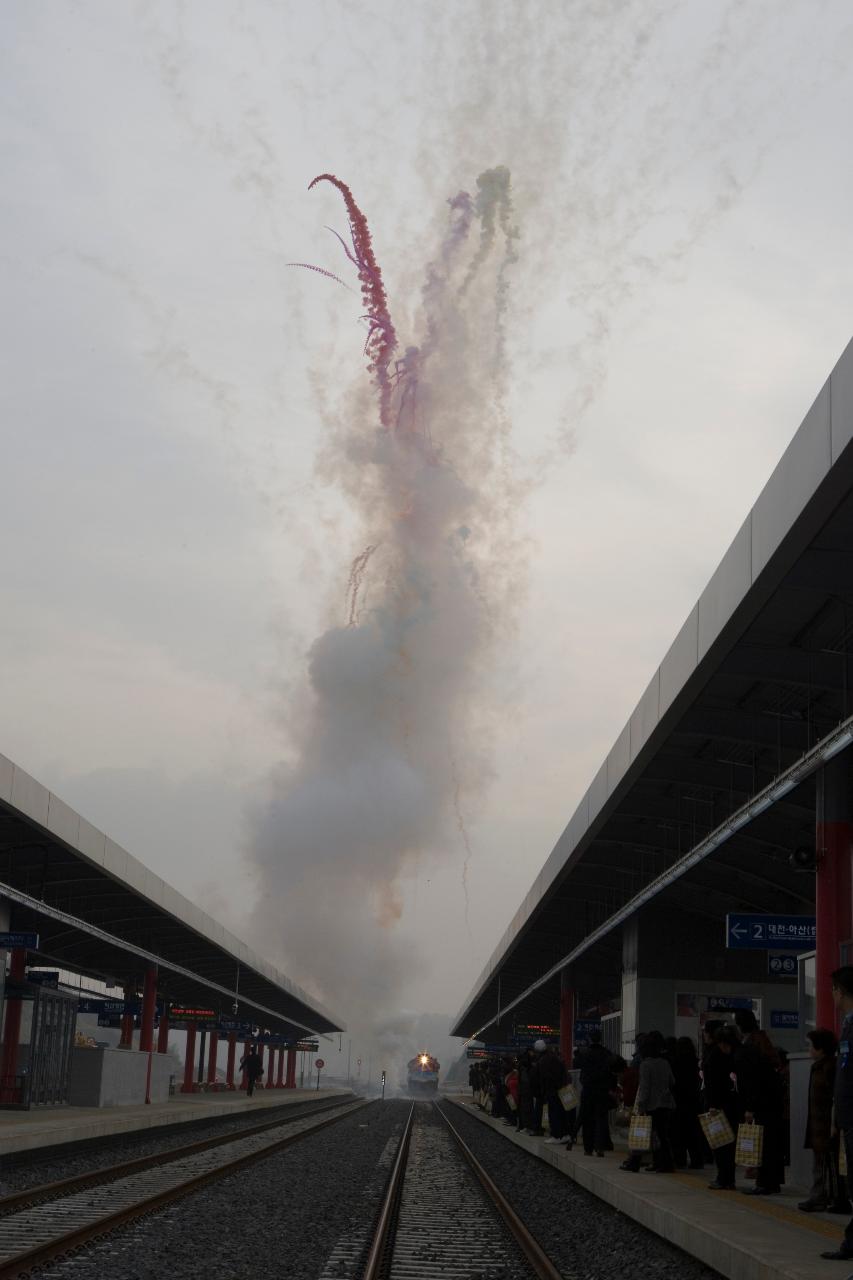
[
  {"x": 750, "y": 1144},
  {"x": 568, "y": 1095},
  {"x": 640, "y": 1133},
  {"x": 716, "y": 1129}
]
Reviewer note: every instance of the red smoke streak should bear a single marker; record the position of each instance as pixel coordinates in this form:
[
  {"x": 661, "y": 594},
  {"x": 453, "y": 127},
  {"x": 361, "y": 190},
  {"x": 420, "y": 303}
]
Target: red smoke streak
[{"x": 381, "y": 336}]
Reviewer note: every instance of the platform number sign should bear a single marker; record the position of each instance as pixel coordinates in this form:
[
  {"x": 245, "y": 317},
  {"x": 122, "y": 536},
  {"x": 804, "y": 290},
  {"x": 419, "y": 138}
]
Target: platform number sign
[
  {"x": 781, "y": 966},
  {"x": 770, "y": 933}
]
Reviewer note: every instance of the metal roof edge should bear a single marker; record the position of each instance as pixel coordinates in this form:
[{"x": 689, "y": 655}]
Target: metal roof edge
[
  {"x": 823, "y": 438},
  {"x": 29, "y": 799}
]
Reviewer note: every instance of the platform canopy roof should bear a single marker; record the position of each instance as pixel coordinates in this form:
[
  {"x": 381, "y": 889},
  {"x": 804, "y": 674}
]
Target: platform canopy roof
[
  {"x": 100, "y": 913},
  {"x": 711, "y": 784}
]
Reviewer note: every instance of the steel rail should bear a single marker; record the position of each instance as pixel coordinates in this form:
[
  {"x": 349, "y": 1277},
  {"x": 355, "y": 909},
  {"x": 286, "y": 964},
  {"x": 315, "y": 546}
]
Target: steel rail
[
  {"x": 22, "y": 1264},
  {"x": 46, "y": 1191},
  {"x": 538, "y": 1260},
  {"x": 387, "y": 1214}
]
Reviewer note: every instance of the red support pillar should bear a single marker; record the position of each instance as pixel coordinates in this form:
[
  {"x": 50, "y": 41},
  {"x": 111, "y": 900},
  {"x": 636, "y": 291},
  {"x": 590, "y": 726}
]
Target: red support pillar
[
  {"x": 189, "y": 1060},
  {"x": 567, "y": 1019},
  {"x": 279, "y": 1084},
  {"x": 229, "y": 1065},
  {"x": 149, "y": 1002},
  {"x": 12, "y": 1030},
  {"x": 126, "y": 1041},
  {"x": 163, "y": 1033},
  {"x": 211, "y": 1058},
  {"x": 244, "y": 1079},
  {"x": 290, "y": 1081},
  {"x": 833, "y": 897}
]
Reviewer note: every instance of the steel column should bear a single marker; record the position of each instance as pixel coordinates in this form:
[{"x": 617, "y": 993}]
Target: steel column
[
  {"x": 211, "y": 1061},
  {"x": 189, "y": 1060},
  {"x": 12, "y": 1030},
  {"x": 244, "y": 1078},
  {"x": 126, "y": 1040},
  {"x": 833, "y": 904},
  {"x": 163, "y": 1033},
  {"x": 290, "y": 1080},
  {"x": 567, "y": 1019},
  {"x": 149, "y": 1002},
  {"x": 279, "y": 1084},
  {"x": 229, "y": 1065}
]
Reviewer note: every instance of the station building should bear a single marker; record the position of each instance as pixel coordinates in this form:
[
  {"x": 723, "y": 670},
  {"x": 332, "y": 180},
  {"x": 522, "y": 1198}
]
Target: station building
[
  {"x": 73, "y": 902},
  {"x": 727, "y": 795}
]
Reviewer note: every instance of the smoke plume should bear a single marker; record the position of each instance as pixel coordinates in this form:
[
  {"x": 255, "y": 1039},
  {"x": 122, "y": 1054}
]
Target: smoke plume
[{"x": 387, "y": 733}]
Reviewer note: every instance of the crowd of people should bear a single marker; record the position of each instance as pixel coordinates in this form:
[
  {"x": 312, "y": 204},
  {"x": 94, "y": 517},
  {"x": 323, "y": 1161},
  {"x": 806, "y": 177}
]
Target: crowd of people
[{"x": 736, "y": 1073}]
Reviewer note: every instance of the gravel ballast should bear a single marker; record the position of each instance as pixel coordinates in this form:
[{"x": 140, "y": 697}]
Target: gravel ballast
[
  {"x": 585, "y": 1238},
  {"x": 281, "y": 1217}
]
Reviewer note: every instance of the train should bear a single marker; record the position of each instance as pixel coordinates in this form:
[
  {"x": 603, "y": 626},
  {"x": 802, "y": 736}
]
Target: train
[{"x": 422, "y": 1074}]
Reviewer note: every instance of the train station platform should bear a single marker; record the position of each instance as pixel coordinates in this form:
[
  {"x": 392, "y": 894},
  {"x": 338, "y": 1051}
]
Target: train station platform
[
  {"x": 43, "y": 1127},
  {"x": 743, "y": 1238}
]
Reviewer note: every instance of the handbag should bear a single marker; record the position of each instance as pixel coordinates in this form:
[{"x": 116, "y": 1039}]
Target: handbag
[
  {"x": 750, "y": 1144},
  {"x": 568, "y": 1095},
  {"x": 717, "y": 1130},
  {"x": 640, "y": 1133},
  {"x": 511, "y": 1102}
]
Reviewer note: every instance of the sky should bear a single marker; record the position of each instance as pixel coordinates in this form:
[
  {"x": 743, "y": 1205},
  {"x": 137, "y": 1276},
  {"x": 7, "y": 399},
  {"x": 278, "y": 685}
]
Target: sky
[{"x": 185, "y": 418}]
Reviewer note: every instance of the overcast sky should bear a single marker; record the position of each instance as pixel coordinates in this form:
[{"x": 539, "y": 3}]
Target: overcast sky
[{"x": 173, "y": 534}]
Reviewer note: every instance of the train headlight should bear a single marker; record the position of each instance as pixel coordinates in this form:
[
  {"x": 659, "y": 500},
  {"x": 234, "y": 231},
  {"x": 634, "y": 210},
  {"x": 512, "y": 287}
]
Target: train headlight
[{"x": 424, "y": 1059}]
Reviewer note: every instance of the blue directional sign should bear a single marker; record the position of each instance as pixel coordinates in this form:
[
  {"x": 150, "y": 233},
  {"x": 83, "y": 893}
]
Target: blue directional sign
[
  {"x": 12, "y": 941},
  {"x": 769, "y": 933},
  {"x": 781, "y": 966},
  {"x": 784, "y": 1020}
]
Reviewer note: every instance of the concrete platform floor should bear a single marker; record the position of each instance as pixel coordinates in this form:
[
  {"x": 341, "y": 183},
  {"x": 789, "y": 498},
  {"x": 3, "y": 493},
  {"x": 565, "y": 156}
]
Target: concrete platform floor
[
  {"x": 56, "y": 1126},
  {"x": 744, "y": 1238}
]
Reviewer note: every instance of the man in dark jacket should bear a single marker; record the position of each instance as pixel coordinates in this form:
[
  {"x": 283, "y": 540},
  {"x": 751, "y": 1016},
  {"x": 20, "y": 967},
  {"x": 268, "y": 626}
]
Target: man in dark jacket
[
  {"x": 251, "y": 1064},
  {"x": 842, "y": 995},
  {"x": 597, "y": 1084},
  {"x": 552, "y": 1077},
  {"x": 759, "y": 1089}
]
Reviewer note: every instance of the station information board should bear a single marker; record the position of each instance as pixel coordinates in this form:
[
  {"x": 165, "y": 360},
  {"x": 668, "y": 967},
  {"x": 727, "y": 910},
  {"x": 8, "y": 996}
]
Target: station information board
[
  {"x": 193, "y": 1013},
  {"x": 770, "y": 933},
  {"x": 15, "y": 941}
]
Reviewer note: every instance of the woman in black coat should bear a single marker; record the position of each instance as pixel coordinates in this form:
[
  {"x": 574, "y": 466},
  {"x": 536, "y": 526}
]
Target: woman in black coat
[
  {"x": 718, "y": 1065},
  {"x": 826, "y": 1191},
  {"x": 686, "y": 1135}
]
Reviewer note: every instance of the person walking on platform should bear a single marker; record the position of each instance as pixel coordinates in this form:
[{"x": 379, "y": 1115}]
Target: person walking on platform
[
  {"x": 760, "y": 1090},
  {"x": 687, "y": 1140},
  {"x": 597, "y": 1084},
  {"x": 842, "y": 995},
  {"x": 552, "y": 1077},
  {"x": 655, "y": 1098},
  {"x": 718, "y": 1087},
  {"x": 826, "y": 1190},
  {"x": 251, "y": 1064}
]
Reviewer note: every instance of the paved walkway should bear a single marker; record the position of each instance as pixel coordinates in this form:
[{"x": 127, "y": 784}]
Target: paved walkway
[
  {"x": 55, "y": 1126},
  {"x": 744, "y": 1238}
]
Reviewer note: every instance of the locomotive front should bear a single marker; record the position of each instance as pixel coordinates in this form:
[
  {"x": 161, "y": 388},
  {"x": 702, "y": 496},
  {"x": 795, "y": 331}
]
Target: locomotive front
[{"x": 422, "y": 1074}]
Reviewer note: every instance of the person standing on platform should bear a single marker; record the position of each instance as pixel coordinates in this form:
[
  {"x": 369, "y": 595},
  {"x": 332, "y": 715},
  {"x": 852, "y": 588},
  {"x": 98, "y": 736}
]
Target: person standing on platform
[
  {"x": 826, "y": 1188},
  {"x": 842, "y": 995},
  {"x": 536, "y": 1090},
  {"x": 687, "y": 1140},
  {"x": 552, "y": 1076},
  {"x": 655, "y": 1099},
  {"x": 525, "y": 1091},
  {"x": 251, "y": 1064},
  {"x": 759, "y": 1086},
  {"x": 718, "y": 1086},
  {"x": 597, "y": 1084}
]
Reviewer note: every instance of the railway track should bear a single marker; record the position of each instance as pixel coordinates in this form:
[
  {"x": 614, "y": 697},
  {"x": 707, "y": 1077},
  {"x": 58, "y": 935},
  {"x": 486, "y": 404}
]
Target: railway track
[
  {"x": 442, "y": 1215},
  {"x": 43, "y": 1223}
]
